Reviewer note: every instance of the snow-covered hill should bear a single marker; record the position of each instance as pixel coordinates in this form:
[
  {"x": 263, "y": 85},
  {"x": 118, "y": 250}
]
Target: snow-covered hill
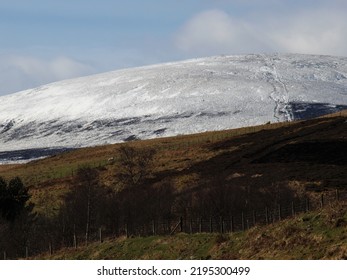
[{"x": 174, "y": 98}]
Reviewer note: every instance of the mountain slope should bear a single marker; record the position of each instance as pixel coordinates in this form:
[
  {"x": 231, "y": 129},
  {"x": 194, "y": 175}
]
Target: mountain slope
[{"x": 175, "y": 98}]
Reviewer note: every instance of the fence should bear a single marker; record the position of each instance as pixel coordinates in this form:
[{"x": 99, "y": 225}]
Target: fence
[
  {"x": 239, "y": 221},
  {"x": 193, "y": 223}
]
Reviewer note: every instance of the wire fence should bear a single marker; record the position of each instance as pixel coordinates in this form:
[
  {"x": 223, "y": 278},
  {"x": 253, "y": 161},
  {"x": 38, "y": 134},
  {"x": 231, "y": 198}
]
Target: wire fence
[
  {"x": 188, "y": 223},
  {"x": 233, "y": 223}
]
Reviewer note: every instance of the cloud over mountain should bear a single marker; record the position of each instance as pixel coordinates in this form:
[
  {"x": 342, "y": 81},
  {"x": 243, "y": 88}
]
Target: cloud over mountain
[
  {"x": 18, "y": 71},
  {"x": 314, "y": 31}
]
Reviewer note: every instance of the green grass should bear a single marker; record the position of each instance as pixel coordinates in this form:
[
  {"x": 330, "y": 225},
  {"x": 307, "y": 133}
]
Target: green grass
[{"x": 180, "y": 246}]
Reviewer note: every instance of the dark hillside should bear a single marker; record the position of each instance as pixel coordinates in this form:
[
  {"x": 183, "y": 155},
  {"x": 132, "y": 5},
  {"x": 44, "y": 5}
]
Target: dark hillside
[
  {"x": 164, "y": 185},
  {"x": 305, "y": 153}
]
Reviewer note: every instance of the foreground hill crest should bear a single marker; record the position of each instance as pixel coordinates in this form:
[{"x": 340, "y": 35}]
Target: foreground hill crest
[{"x": 185, "y": 97}]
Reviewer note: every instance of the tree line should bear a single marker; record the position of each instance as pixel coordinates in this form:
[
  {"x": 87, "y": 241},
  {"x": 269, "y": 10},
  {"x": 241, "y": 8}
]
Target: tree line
[
  {"x": 16, "y": 216},
  {"x": 133, "y": 200}
]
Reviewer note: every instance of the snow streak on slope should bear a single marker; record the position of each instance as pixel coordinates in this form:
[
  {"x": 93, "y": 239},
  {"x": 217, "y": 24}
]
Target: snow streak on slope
[{"x": 175, "y": 98}]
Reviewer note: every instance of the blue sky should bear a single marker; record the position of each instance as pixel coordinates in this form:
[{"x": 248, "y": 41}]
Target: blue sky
[{"x": 42, "y": 41}]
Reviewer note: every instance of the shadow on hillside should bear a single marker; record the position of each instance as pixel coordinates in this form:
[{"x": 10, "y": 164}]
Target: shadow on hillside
[
  {"x": 30, "y": 154},
  {"x": 307, "y": 110}
]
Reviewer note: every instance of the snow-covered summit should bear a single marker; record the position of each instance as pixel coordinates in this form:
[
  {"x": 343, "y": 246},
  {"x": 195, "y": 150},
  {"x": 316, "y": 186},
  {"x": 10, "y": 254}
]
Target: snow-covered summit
[{"x": 174, "y": 98}]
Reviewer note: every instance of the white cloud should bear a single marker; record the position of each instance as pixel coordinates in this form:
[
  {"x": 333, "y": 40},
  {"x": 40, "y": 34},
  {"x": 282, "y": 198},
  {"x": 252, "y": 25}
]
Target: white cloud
[
  {"x": 215, "y": 31},
  {"x": 315, "y": 32},
  {"x": 320, "y": 31},
  {"x": 21, "y": 72}
]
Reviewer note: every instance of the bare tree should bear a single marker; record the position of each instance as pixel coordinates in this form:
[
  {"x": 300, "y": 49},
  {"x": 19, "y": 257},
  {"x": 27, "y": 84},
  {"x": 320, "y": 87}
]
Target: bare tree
[
  {"x": 83, "y": 202},
  {"x": 134, "y": 165}
]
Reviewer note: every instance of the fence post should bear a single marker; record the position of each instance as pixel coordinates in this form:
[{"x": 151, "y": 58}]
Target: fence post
[
  {"x": 100, "y": 235},
  {"x": 75, "y": 241},
  {"x": 26, "y": 252},
  {"x": 200, "y": 225},
  {"x": 5, "y": 257},
  {"x": 50, "y": 248},
  {"x": 181, "y": 224},
  {"x": 168, "y": 225},
  {"x": 322, "y": 200},
  {"x": 243, "y": 221},
  {"x": 232, "y": 224},
  {"x": 254, "y": 218},
  {"x": 266, "y": 215},
  {"x": 127, "y": 230},
  {"x": 74, "y": 237},
  {"x": 221, "y": 225},
  {"x": 211, "y": 225},
  {"x": 293, "y": 209},
  {"x": 153, "y": 228},
  {"x": 279, "y": 212},
  {"x": 307, "y": 204},
  {"x": 191, "y": 226}
]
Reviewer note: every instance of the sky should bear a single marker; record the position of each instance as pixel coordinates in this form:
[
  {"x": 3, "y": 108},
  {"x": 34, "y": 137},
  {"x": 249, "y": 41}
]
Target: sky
[{"x": 43, "y": 41}]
